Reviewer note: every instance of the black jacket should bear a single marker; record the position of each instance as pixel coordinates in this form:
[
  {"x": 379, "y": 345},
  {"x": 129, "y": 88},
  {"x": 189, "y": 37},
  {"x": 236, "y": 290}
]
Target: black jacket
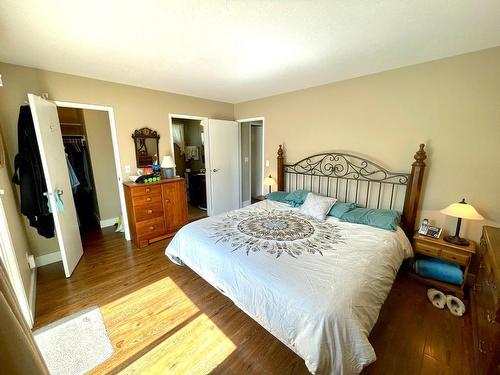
[{"x": 28, "y": 174}]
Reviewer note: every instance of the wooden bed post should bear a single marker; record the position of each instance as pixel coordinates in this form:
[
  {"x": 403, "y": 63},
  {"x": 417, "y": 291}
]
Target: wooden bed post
[
  {"x": 281, "y": 170},
  {"x": 413, "y": 191}
]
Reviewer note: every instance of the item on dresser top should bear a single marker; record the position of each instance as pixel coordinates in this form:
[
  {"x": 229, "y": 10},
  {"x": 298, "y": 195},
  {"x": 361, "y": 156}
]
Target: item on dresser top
[
  {"x": 191, "y": 152},
  {"x": 167, "y": 167},
  {"x": 438, "y": 269},
  {"x": 148, "y": 178},
  {"x": 374, "y": 217},
  {"x": 461, "y": 210},
  {"x": 429, "y": 230}
]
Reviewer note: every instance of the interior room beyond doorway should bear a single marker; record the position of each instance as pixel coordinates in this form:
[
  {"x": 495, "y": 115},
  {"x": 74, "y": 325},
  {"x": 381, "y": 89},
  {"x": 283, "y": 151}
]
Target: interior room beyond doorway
[{"x": 189, "y": 154}]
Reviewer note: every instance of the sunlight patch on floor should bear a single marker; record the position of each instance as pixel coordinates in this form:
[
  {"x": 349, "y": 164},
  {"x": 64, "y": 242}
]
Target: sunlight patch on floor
[
  {"x": 197, "y": 348},
  {"x": 159, "y": 329}
]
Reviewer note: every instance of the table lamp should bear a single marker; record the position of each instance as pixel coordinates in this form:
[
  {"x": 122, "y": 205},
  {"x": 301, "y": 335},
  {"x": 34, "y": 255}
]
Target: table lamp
[
  {"x": 269, "y": 181},
  {"x": 167, "y": 167},
  {"x": 461, "y": 210}
]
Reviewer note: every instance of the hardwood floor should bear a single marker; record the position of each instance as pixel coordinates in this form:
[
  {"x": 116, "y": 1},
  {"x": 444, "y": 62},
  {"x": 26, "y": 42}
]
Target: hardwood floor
[{"x": 165, "y": 319}]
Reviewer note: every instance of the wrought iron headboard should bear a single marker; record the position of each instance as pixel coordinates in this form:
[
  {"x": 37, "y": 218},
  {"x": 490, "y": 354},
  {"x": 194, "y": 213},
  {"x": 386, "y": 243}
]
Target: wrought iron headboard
[{"x": 351, "y": 178}]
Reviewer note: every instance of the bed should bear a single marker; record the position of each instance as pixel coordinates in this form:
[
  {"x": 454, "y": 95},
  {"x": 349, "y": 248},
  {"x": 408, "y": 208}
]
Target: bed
[{"x": 317, "y": 286}]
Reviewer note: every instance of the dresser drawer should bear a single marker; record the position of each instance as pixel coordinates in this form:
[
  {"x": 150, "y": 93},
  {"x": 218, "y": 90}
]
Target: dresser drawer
[
  {"x": 148, "y": 211},
  {"x": 454, "y": 257},
  {"x": 143, "y": 200},
  {"x": 145, "y": 190},
  {"x": 427, "y": 249},
  {"x": 151, "y": 228}
]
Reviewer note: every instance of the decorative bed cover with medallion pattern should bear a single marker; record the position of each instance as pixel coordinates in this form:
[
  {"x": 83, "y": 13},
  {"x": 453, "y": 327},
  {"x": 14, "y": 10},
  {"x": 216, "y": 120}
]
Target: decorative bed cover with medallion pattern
[{"x": 316, "y": 286}]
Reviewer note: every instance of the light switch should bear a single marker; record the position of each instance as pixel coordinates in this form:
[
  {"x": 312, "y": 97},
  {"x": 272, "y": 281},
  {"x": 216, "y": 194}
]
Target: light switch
[
  {"x": 246, "y": 159},
  {"x": 267, "y": 163},
  {"x": 127, "y": 169}
]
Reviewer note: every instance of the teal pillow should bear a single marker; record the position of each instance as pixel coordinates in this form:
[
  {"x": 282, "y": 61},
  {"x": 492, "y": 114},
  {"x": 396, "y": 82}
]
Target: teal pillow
[
  {"x": 385, "y": 219},
  {"x": 339, "y": 209},
  {"x": 296, "y": 198},
  {"x": 278, "y": 196}
]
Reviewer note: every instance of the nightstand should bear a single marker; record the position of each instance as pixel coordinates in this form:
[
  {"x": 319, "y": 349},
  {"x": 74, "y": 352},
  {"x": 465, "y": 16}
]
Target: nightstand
[
  {"x": 258, "y": 198},
  {"x": 439, "y": 248}
]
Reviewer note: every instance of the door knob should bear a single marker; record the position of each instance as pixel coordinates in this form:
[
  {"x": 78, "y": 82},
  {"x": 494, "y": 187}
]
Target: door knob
[{"x": 215, "y": 170}]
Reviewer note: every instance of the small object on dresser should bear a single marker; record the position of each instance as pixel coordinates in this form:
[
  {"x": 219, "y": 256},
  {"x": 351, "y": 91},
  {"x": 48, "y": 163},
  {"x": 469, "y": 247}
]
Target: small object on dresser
[
  {"x": 461, "y": 210},
  {"x": 167, "y": 167}
]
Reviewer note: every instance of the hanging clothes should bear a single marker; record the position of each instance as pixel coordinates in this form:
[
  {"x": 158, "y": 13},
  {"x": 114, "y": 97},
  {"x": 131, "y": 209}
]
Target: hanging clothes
[
  {"x": 28, "y": 174},
  {"x": 72, "y": 176}
]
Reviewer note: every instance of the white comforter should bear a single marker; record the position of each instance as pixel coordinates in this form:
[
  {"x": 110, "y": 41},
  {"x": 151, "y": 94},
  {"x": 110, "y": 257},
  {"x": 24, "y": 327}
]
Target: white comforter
[{"x": 322, "y": 305}]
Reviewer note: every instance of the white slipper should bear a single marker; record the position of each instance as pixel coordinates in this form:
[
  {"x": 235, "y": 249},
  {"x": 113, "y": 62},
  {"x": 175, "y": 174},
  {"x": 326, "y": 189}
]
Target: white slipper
[
  {"x": 437, "y": 298},
  {"x": 455, "y": 305}
]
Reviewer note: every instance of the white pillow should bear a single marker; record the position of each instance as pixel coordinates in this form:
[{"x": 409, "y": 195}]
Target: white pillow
[{"x": 317, "y": 206}]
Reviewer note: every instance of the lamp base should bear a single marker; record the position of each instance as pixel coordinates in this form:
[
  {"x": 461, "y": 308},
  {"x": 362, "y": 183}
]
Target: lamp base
[{"x": 456, "y": 240}]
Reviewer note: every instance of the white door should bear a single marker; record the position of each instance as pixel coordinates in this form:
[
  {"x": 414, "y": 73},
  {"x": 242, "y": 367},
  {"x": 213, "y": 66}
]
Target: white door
[
  {"x": 49, "y": 137},
  {"x": 224, "y": 166}
]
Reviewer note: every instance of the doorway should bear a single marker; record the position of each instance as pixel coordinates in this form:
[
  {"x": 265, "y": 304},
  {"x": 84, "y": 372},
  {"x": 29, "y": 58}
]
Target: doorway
[
  {"x": 219, "y": 150},
  {"x": 252, "y": 160},
  {"x": 88, "y": 148},
  {"x": 188, "y": 137}
]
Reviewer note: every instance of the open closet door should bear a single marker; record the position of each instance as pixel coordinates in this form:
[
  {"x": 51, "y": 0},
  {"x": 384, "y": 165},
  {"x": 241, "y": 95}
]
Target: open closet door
[
  {"x": 224, "y": 164},
  {"x": 55, "y": 168}
]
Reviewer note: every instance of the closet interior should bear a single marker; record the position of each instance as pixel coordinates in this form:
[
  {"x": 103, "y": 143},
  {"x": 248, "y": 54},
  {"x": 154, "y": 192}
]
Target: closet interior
[
  {"x": 189, "y": 154},
  {"x": 92, "y": 174}
]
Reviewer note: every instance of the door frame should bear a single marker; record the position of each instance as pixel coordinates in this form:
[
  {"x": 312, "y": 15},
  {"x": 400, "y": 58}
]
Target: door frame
[
  {"x": 251, "y": 119},
  {"x": 116, "y": 153},
  {"x": 8, "y": 256},
  {"x": 206, "y": 148}
]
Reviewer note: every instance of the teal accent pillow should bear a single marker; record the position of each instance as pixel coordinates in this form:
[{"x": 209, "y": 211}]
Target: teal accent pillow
[
  {"x": 385, "y": 219},
  {"x": 296, "y": 198},
  {"x": 278, "y": 196},
  {"x": 339, "y": 209}
]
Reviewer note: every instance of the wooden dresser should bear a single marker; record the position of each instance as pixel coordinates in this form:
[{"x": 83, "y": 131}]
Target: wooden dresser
[
  {"x": 156, "y": 210},
  {"x": 485, "y": 304}
]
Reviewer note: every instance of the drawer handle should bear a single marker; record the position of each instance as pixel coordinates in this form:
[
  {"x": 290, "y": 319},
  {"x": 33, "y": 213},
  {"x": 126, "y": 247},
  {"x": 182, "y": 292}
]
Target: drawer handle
[
  {"x": 489, "y": 317},
  {"x": 152, "y": 227},
  {"x": 148, "y": 199},
  {"x": 150, "y": 211},
  {"x": 167, "y": 200},
  {"x": 148, "y": 190},
  {"x": 481, "y": 348},
  {"x": 491, "y": 284}
]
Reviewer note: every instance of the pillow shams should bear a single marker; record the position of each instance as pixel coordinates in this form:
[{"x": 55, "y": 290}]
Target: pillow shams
[{"x": 317, "y": 206}]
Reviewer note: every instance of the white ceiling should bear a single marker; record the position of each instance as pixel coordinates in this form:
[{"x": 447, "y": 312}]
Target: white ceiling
[{"x": 239, "y": 50}]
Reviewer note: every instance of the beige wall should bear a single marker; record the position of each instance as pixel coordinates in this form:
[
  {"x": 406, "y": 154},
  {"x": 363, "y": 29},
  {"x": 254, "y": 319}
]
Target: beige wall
[
  {"x": 103, "y": 163},
  {"x": 451, "y": 105},
  {"x": 133, "y": 108}
]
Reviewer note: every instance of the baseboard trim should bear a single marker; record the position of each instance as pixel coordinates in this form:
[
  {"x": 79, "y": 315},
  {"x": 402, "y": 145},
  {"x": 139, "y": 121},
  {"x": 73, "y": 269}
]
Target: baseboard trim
[
  {"x": 109, "y": 222},
  {"x": 246, "y": 203},
  {"x": 43, "y": 260},
  {"x": 32, "y": 293}
]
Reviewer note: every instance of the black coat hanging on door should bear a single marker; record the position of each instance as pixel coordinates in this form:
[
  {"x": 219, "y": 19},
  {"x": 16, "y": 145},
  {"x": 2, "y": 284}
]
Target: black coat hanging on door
[{"x": 28, "y": 174}]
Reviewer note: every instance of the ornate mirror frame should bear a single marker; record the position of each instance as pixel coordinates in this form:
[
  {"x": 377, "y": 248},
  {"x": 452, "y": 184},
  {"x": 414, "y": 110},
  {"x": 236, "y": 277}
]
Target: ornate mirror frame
[{"x": 140, "y": 136}]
